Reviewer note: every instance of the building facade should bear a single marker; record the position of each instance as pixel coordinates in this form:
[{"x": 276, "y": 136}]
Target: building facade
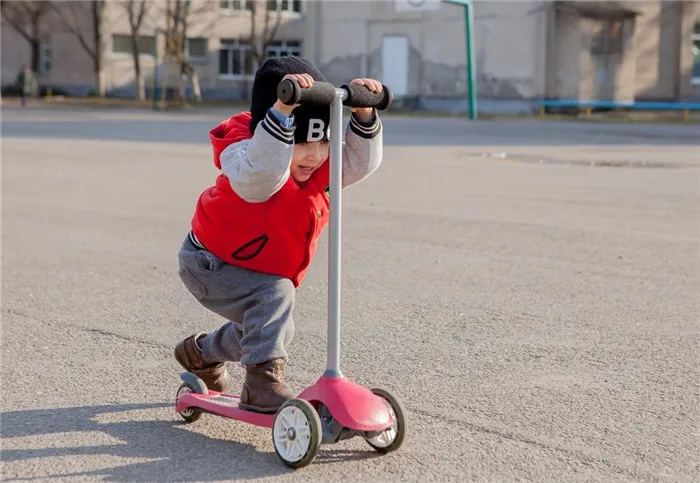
[
  {"x": 215, "y": 46},
  {"x": 524, "y": 51}
]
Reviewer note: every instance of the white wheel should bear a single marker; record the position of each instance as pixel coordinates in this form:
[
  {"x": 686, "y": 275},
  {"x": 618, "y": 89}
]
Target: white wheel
[
  {"x": 188, "y": 414},
  {"x": 296, "y": 433},
  {"x": 392, "y": 437}
]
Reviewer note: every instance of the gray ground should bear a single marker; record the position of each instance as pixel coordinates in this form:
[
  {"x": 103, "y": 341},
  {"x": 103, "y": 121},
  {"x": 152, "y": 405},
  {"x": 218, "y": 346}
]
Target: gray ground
[{"x": 537, "y": 315}]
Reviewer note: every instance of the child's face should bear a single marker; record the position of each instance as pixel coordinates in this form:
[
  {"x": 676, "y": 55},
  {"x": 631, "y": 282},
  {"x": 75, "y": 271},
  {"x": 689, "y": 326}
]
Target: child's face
[{"x": 307, "y": 158}]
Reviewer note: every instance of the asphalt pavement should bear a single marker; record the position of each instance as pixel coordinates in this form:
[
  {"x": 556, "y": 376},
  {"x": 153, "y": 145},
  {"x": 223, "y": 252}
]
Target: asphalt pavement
[{"x": 528, "y": 289}]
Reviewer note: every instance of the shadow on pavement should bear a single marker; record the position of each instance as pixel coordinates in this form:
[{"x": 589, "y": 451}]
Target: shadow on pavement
[{"x": 179, "y": 454}]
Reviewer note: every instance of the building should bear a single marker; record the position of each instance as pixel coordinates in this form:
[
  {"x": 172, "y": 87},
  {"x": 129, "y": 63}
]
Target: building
[
  {"x": 215, "y": 46},
  {"x": 524, "y": 51}
]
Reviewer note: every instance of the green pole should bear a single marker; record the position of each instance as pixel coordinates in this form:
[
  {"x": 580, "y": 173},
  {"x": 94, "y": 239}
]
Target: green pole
[
  {"x": 156, "y": 69},
  {"x": 471, "y": 75},
  {"x": 469, "y": 37}
]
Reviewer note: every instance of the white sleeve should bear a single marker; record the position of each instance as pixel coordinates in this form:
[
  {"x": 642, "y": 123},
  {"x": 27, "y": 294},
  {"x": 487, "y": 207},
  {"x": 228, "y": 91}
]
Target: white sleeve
[
  {"x": 258, "y": 167},
  {"x": 362, "y": 150}
]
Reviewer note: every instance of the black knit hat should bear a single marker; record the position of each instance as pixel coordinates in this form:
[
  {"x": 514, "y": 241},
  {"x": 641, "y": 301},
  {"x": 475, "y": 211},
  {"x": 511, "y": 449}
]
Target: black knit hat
[{"x": 264, "y": 95}]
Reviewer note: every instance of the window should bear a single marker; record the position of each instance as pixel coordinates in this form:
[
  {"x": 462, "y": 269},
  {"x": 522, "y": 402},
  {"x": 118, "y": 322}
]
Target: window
[
  {"x": 121, "y": 44},
  {"x": 608, "y": 39},
  {"x": 234, "y": 5},
  {"x": 293, "y": 6},
  {"x": 235, "y": 59},
  {"x": 196, "y": 48},
  {"x": 230, "y": 6},
  {"x": 45, "y": 57},
  {"x": 283, "y": 48},
  {"x": 695, "y": 72}
]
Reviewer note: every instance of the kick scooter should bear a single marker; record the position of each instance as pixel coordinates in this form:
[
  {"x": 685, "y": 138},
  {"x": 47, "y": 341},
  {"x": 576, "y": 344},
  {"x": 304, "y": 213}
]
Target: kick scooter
[{"x": 333, "y": 408}]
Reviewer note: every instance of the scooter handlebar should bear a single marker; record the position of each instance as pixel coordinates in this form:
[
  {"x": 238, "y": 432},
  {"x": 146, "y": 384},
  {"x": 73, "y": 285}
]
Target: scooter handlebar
[
  {"x": 361, "y": 96},
  {"x": 290, "y": 92},
  {"x": 323, "y": 93}
]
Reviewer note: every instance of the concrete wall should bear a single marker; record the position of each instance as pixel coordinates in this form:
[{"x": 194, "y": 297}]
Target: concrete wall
[
  {"x": 657, "y": 41},
  {"x": 691, "y": 16},
  {"x": 515, "y": 57},
  {"x": 611, "y": 76},
  {"x": 654, "y": 64},
  {"x": 589, "y": 80},
  {"x": 626, "y": 64},
  {"x": 566, "y": 63},
  {"x": 510, "y": 42}
]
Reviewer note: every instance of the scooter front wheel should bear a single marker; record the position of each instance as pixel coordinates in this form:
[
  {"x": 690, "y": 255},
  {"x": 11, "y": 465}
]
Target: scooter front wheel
[
  {"x": 392, "y": 437},
  {"x": 296, "y": 433}
]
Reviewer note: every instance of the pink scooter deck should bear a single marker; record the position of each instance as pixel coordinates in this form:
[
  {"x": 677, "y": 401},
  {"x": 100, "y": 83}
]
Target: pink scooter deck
[
  {"x": 352, "y": 405},
  {"x": 225, "y": 405}
]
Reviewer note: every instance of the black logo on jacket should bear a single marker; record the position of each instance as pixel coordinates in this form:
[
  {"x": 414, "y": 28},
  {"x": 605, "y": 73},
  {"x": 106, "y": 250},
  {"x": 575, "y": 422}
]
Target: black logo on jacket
[{"x": 251, "y": 249}]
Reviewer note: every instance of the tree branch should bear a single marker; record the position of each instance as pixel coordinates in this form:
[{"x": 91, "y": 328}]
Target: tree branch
[
  {"x": 73, "y": 28},
  {"x": 253, "y": 7},
  {"x": 142, "y": 14},
  {"x": 261, "y": 40},
  {"x": 21, "y": 9},
  {"x": 16, "y": 26},
  {"x": 129, "y": 7},
  {"x": 267, "y": 39}
]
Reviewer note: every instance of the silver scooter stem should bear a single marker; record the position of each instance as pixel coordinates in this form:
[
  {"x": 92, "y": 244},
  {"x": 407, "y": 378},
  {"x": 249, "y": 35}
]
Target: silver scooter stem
[{"x": 334, "y": 256}]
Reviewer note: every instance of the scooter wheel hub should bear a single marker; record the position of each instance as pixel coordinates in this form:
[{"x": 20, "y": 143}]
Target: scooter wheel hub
[{"x": 296, "y": 433}]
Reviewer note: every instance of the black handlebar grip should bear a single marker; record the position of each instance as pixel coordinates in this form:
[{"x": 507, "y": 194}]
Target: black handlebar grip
[
  {"x": 361, "y": 96},
  {"x": 290, "y": 92}
]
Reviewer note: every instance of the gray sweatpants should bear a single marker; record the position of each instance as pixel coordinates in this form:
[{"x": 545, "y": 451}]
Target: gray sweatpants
[{"x": 258, "y": 307}]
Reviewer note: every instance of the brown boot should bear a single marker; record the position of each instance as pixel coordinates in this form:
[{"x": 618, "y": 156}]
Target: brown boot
[
  {"x": 264, "y": 389},
  {"x": 189, "y": 355}
]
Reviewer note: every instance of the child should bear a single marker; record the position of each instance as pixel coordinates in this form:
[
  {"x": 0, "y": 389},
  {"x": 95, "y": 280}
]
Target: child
[{"x": 255, "y": 232}]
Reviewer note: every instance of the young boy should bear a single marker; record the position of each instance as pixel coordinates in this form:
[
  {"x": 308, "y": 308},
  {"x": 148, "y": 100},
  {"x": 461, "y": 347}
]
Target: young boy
[{"x": 255, "y": 231}]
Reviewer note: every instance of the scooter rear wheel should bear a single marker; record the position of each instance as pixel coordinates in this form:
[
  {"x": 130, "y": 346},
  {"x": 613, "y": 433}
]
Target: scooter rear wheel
[
  {"x": 188, "y": 414},
  {"x": 296, "y": 433}
]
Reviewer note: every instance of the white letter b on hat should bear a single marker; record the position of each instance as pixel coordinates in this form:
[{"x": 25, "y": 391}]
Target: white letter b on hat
[{"x": 316, "y": 131}]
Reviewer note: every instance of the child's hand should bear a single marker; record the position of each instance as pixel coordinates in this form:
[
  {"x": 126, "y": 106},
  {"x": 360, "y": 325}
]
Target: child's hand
[
  {"x": 364, "y": 114},
  {"x": 305, "y": 81}
]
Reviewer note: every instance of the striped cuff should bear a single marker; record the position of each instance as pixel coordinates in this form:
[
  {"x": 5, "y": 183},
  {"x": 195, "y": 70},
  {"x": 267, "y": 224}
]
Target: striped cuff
[
  {"x": 367, "y": 130},
  {"x": 195, "y": 241},
  {"x": 277, "y": 129}
]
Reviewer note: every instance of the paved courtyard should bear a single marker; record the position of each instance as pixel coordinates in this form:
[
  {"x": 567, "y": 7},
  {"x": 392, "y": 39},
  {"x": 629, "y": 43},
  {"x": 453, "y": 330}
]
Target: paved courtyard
[{"x": 529, "y": 289}]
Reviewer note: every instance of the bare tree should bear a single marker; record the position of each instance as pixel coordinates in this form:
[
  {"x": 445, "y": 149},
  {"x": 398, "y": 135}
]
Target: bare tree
[
  {"x": 136, "y": 12},
  {"x": 176, "y": 35},
  {"x": 90, "y": 37},
  {"x": 179, "y": 16},
  {"x": 260, "y": 39},
  {"x": 26, "y": 19}
]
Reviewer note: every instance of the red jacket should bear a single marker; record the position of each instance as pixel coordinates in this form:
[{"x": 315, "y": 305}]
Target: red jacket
[{"x": 278, "y": 236}]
